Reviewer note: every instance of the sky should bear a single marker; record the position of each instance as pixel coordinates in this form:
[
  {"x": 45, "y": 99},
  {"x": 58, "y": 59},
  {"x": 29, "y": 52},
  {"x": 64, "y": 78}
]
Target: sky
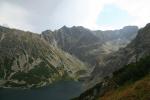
[{"x": 40, "y": 15}]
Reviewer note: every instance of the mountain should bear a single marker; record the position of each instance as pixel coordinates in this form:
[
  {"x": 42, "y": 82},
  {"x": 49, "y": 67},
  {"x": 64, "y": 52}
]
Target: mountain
[
  {"x": 138, "y": 48},
  {"x": 77, "y": 41},
  {"x": 124, "y": 74},
  {"x": 126, "y": 33},
  {"x": 27, "y": 60},
  {"x": 90, "y": 46},
  {"x": 115, "y": 39},
  {"x": 33, "y": 60}
]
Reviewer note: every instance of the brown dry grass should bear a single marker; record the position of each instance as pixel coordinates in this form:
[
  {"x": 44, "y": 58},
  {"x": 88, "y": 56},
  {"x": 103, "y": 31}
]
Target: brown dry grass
[{"x": 140, "y": 90}]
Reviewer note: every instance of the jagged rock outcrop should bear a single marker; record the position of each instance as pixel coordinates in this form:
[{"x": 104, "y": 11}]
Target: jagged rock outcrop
[{"x": 27, "y": 60}]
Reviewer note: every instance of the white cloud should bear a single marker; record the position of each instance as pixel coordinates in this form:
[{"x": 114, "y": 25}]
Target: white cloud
[
  {"x": 14, "y": 16},
  {"x": 94, "y": 8},
  {"x": 139, "y": 9},
  {"x": 78, "y": 13},
  {"x": 39, "y": 15},
  {"x": 44, "y": 14}
]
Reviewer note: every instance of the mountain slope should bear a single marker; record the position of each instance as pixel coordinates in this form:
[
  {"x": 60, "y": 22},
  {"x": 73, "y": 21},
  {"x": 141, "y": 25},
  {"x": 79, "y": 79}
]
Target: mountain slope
[
  {"x": 27, "y": 60},
  {"x": 132, "y": 81},
  {"x": 138, "y": 48}
]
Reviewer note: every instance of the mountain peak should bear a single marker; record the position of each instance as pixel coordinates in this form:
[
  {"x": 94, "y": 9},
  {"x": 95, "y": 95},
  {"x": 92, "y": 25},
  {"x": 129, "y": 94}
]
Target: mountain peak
[
  {"x": 64, "y": 27},
  {"x": 130, "y": 27}
]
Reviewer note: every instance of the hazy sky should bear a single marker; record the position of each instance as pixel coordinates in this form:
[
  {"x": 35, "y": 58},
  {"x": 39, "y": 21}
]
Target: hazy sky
[{"x": 39, "y": 15}]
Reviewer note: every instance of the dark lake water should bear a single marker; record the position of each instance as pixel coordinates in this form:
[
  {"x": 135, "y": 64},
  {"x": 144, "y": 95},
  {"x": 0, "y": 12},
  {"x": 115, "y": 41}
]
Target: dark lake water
[{"x": 63, "y": 90}]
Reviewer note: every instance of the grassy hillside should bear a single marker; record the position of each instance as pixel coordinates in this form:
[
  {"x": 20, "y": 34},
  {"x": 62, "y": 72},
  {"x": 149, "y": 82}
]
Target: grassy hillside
[
  {"x": 139, "y": 90},
  {"x": 132, "y": 82}
]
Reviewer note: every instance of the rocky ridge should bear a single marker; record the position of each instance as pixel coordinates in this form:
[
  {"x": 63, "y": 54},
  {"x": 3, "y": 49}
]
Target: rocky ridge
[{"x": 87, "y": 45}]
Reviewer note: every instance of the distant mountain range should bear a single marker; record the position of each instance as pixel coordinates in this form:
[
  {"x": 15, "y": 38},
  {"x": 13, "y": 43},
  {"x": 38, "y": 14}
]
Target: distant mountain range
[
  {"x": 34, "y": 60},
  {"x": 89, "y": 45}
]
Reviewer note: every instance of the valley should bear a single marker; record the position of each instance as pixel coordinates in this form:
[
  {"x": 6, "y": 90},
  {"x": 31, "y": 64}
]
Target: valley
[{"x": 76, "y": 54}]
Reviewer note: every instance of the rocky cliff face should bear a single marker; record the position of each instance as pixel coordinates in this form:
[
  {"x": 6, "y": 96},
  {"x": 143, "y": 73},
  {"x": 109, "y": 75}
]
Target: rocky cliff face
[
  {"x": 27, "y": 60},
  {"x": 90, "y": 46}
]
